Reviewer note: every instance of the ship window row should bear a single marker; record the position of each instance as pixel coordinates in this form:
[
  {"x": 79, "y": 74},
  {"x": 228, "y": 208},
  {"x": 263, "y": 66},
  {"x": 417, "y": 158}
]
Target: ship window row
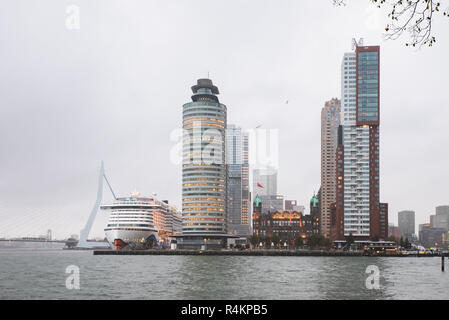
[
  {"x": 130, "y": 215},
  {"x": 133, "y": 212},
  {"x": 132, "y": 220},
  {"x": 128, "y": 229},
  {"x": 129, "y": 225},
  {"x": 136, "y": 209},
  {"x": 131, "y": 206}
]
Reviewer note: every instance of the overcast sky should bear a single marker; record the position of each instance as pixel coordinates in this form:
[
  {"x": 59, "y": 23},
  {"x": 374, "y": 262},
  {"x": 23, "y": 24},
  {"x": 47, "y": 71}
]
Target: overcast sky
[{"x": 114, "y": 89}]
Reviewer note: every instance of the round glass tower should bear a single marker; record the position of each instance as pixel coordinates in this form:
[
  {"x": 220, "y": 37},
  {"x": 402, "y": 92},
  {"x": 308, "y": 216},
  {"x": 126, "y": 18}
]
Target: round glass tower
[{"x": 204, "y": 168}]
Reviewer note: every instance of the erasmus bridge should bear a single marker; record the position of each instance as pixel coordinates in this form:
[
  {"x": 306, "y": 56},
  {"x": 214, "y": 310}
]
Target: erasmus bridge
[{"x": 83, "y": 243}]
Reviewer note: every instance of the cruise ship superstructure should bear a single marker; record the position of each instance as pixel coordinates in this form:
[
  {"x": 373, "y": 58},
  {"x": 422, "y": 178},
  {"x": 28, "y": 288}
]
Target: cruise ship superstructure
[{"x": 137, "y": 222}]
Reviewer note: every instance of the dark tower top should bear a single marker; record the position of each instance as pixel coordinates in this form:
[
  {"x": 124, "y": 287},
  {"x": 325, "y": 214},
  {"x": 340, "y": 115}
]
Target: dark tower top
[{"x": 204, "y": 90}]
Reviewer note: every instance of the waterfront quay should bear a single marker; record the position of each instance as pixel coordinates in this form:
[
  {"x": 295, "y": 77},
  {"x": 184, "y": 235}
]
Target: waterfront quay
[{"x": 288, "y": 253}]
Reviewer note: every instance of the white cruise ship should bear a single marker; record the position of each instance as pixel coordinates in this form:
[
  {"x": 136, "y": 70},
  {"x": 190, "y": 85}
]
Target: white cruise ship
[
  {"x": 131, "y": 222},
  {"x": 139, "y": 223}
]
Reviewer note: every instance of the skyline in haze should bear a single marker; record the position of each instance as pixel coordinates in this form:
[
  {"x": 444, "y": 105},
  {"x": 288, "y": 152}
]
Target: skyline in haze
[{"x": 114, "y": 89}]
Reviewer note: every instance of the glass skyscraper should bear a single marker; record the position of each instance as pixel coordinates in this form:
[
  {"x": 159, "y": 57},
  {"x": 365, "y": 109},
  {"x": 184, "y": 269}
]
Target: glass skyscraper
[
  {"x": 203, "y": 168},
  {"x": 238, "y": 196}
]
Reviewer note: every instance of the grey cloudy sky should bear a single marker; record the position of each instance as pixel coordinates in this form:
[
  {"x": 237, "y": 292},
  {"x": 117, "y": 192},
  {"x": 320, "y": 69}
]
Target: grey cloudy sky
[{"x": 113, "y": 90}]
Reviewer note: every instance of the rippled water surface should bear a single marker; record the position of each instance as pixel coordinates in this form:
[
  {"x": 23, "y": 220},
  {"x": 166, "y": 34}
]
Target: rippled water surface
[{"x": 40, "y": 274}]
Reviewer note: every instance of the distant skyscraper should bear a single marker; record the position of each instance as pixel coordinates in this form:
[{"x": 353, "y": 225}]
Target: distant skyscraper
[
  {"x": 204, "y": 169},
  {"x": 330, "y": 121},
  {"x": 406, "y": 224},
  {"x": 265, "y": 181},
  {"x": 358, "y": 209},
  {"x": 442, "y": 210},
  {"x": 238, "y": 199},
  {"x": 441, "y": 218}
]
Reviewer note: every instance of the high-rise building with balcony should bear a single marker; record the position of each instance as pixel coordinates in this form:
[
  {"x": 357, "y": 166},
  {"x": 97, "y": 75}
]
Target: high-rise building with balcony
[
  {"x": 203, "y": 168},
  {"x": 358, "y": 210},
  {"x": 330, "y": 121}
]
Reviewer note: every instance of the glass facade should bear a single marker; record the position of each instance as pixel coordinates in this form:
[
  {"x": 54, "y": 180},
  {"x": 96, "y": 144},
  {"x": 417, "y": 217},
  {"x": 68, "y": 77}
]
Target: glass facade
[
  {"x": 237, "y": 181},
  {"x": 204, "y": 169},
  {"x": 368, "y": 86}
]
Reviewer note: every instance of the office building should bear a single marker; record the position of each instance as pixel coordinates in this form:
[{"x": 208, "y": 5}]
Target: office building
[
  {"x": 431, "y": 237},
  {"x": 406, "y": 224},
  {"x": 238, "y": 196},
  {"x": 203, "y": 169},
  {"x": 265, "y": 181},
  {"x": 441, "y": 218}
]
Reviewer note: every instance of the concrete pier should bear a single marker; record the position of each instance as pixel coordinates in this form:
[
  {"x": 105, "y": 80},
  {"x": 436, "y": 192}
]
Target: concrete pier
[{"x": 288, "y": 253}]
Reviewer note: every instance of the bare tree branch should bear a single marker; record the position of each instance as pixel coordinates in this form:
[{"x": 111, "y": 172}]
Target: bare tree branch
[{"x": 412, "y": 16}]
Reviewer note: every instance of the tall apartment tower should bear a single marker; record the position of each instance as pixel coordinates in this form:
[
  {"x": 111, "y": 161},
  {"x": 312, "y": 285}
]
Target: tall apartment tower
[
  {"x": 238, "y": 199},
  {"x": 358, "y": 209},
  {"x": 330, "y": 121},
  {"x": 203, "y": 168}
]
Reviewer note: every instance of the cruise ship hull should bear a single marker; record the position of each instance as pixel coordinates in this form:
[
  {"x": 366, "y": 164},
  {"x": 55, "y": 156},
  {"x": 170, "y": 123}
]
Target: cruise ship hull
[{"x": 131, "y": 239}]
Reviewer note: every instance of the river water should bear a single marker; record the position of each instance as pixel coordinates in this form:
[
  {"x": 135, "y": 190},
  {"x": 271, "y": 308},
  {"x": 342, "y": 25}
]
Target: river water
[{"x": 41, "y": 274}]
